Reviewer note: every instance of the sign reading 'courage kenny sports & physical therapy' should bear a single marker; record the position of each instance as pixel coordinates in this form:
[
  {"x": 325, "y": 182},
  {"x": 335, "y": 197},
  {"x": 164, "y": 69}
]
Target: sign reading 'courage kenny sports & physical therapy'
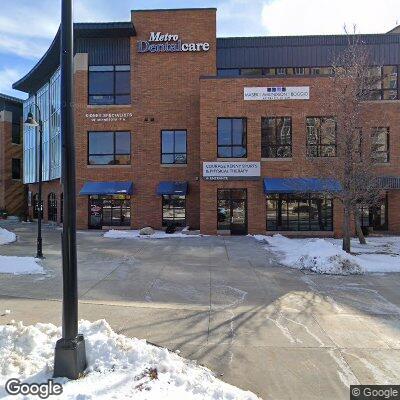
[
  {"x": 166, "y": 43},
  {"x": 277, "y": 93},
  {"x": 230, "y": 171}
]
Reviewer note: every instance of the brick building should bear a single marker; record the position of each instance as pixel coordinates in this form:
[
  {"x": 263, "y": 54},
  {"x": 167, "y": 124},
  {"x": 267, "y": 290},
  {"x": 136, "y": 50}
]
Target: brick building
[
  {"x": 12, "y": 190},
  {"x": 167, "y": 130}
]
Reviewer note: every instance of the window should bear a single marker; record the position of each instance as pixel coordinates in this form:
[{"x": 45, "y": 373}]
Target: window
[
  {"x": 173, "y": 147},
  {"x": 16, "y": 134},
  {"x": 109, "y": 84},
  {"x": 321, "y": 71},
  {"x": 174, "y": 210},
  {"x": 270, "y": 71},
  {"x": 251, "y": 71},
  {"x": 109, "y": 148},
  {"x": 109, "y": 211},
  {"x": 35, "y": 206},
  {"x": 232, "y": 137},
  {"x": 52, "y": 207},
  {"x": 281, "y": 71},
  {"x": 228, "y": 72},
  {"x": 308, "y": 212},
  {"x": 16, "y": 168},
  {"x": 276, "y": 137},
  {"x": 383, "y": 82},
  {"x": 300, "y": 71},
  {"x": 380, "y": 145},
  {"x": 321, "y": 136},
  {"x": 375, "y": 218}
]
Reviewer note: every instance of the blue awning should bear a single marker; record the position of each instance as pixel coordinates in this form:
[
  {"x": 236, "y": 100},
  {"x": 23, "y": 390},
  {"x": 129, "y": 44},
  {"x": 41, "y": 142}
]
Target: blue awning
[
  {"x": 106, "y": 188},
  {"x": 177, "y": 188},
  {"x": 300, "y": 185}
]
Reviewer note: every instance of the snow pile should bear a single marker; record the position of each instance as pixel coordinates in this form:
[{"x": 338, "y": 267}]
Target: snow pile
[
  {"x": 20, "y": 265},
  {"x": 134, "y": 234},
  {"x": 7, "y": 236},
  {"x": 317, "y": 255},
  {"x": 118, "y": 367}
]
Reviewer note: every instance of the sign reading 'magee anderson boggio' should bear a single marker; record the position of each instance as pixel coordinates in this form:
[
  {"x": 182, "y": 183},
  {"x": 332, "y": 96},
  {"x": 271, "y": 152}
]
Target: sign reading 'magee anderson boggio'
[
  {"x": 277, "y": 93},
  {"x": 231, "y": 171},
  {"x": 167, "y": 43}
]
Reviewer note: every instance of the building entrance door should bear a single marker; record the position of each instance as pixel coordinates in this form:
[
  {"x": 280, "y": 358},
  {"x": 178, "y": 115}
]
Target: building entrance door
[
  {"x": 108, "y": 211},
  {"x": 232, "y": 211}
]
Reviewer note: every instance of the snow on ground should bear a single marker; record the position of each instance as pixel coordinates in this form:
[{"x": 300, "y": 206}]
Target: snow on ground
[
  {"x": 118, "y": 367},
  {"x": 325, "y": 256},
  {"x": 20, "y": 265},
  {"x": 134, "y": 234},
  {"x": 7, "y": 236}
]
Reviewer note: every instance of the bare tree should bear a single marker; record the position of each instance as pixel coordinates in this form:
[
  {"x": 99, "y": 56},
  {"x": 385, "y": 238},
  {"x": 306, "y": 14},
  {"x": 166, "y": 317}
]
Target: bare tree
[{"x": 339, "y": 146}]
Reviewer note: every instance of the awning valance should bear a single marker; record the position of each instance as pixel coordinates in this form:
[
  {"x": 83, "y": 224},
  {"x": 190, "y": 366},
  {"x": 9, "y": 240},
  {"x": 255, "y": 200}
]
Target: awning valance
[
  {"x": 172, "y": 188},
  {"x": 106, "y": 188},
  {"x": 300, "y": 185}
]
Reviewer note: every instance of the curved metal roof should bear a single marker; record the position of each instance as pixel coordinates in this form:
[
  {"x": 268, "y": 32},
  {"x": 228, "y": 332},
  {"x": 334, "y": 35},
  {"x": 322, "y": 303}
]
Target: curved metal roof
[{"x": 50, "y": 61}]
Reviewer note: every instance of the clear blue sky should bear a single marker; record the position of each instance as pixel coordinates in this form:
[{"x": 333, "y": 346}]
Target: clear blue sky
[{"x": 28, "y": 26}]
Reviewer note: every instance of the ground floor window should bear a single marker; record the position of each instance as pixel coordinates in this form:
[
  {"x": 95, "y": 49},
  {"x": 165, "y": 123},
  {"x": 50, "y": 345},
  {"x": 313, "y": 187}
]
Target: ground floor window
[
  {"x": 306, "y": 212},
  {"x": 174, "y": 210},
  {"x": 109, "y": 211},
  {"x": 375, "y": 218},
  {"x": 52, "y": 207}
]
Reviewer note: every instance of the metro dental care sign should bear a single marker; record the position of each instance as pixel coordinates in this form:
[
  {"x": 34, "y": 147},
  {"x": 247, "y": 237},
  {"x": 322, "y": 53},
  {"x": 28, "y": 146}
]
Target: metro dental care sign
[
  {"x": 277, "y": 93},
  {"x": 166, "y": 43},
  {"x": 231, "y": 171}
]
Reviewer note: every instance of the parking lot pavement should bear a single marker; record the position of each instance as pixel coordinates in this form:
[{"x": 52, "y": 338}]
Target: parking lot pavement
[{"x": 227, "y": 303}]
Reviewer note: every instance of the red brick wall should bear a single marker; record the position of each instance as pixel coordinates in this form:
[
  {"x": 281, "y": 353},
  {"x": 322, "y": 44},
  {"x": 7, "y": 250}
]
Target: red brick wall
[{"x": 224, "y": 98}]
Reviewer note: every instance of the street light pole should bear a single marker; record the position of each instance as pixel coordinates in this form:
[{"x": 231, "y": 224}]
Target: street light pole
[
  {"x": 31, "y": 121},
  {"x": 70, "y": 353}
]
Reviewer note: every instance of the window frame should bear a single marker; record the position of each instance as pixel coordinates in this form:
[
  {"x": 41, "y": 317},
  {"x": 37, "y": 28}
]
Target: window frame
[
  {"x": 114, "y": 154},
  {"x": 276, "y": 146},
  {"x": 169, "y": 196},
  {"x": 387, "y": 151},
  {"x": 244, "y": 119},
  {"x": 382, "y": 90},
  {"x": 114, "y": 94},
  {"x": 319, "y": 146},
  {"x": 174, "y": 153}
]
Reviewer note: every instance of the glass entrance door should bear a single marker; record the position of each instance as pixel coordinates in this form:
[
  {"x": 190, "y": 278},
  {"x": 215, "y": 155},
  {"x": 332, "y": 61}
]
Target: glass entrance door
[
  {"x": 109, "y": 211},
  {"x": 232, "y": 211}
]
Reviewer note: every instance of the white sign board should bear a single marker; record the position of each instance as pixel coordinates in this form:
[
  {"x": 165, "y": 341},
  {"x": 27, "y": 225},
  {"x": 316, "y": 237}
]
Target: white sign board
[
  {"x": 230, "y": 171},
  {"x": 277, "y": 93}
]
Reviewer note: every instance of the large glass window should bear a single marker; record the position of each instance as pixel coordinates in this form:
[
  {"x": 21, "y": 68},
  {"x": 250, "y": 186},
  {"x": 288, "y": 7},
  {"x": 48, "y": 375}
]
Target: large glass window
[
  {"x": 276, "y": 137},
  {"x": 16, "y": 168},
  {"x": 109, "y": 211},
  {"x": 109, "y": 148},
  {"x": 375, "y": 218},
  {"x": 173, "y": 147},
  {"x": 321, "y": 136},
  {"x": 174, "y": 210},
  {"x": 308, "y": 212},
  {"x": 52, "y": 207},
  {"x": 383, "y": 82},
  {"x": 109, "y": 84},
  {"x": 380, "y": 145},
  {"x": 232, "y": 137}
]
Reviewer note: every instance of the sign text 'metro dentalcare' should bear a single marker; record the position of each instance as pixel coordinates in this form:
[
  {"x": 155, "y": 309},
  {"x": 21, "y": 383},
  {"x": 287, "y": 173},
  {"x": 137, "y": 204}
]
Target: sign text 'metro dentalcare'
[
  {"x": 277, "y": 93},
  {"x": 169, "y": 43},
  {"x": 231, "y": 171}
]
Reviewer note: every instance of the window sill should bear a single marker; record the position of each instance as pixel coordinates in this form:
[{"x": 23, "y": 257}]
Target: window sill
[
  {"x": 173, "y": 165},
  {"x": 109, "y": 166},
  {"x": 382, "y": 164},
  {"x": 277, "y": 159},
  {"x": 109, "y": 106},
  {"x": 231, "y": 159}
]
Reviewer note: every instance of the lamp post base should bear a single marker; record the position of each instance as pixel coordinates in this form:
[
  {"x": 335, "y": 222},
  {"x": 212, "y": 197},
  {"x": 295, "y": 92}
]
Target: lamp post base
[{"x": 70, "y": 358}]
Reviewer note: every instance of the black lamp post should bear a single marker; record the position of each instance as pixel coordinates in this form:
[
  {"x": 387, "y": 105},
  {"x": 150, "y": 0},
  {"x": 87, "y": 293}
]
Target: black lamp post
[
  {"x": 70, "y": 353},
  {"x": 31, "y": 121}
]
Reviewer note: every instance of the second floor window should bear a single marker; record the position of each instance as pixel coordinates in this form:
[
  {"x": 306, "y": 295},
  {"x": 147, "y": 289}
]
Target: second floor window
[
  {"x": 276, "y": 137},
  {"x": 16, "y": 134},
  {"x": 109, "y": 84},
  {"x": 321, "y": 136},
  {"x": 232, "y": 137},
  {"x": 109, "y": 148},
  {"x": 380, "y": 145},
  {"x": 173, "y": 147}
]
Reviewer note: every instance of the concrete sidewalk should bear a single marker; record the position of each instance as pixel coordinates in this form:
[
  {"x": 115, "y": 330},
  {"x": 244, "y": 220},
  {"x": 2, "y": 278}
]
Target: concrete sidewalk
[{"x": 227, "y": 303}]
